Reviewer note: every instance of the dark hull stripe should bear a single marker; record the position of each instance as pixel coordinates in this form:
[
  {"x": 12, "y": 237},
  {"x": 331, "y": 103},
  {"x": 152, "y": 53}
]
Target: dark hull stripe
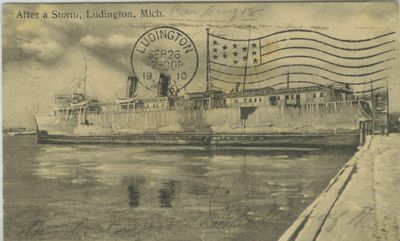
[{"x": 309, "y": 140}]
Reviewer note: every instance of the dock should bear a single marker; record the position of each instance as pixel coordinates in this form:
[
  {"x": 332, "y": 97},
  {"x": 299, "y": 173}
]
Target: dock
[{"x": 362, "y": 200}]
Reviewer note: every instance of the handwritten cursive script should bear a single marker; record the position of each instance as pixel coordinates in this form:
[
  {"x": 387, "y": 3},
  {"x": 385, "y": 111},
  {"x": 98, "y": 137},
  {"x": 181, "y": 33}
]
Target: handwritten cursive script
[{"x": 230, "y": 14}]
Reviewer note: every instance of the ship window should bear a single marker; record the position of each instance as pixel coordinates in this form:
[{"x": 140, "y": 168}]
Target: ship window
[
  {"x": 259, "y": 100},
  {"x": 321, "y": 94},
  {"x": 255, "y": 99},
  {"x": 245, "y": 100},
  {"x": 292, "y": 97},
  {"x": 250, "y": 100},
  {"x": 278, "y": 97},
  {"x": 236, "y": 101},
  {"x": 314, "y": 95},
  {"x": 272, "y": 100},
  {"x": 286, "y": 97}
]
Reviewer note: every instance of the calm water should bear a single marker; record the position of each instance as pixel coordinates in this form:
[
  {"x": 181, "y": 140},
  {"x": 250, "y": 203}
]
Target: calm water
[{"x": 104, "y": 192}]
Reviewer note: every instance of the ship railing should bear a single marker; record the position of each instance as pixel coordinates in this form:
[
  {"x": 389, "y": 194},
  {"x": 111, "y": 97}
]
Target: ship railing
[
  {"x": 340, "y": 98},
  {"x": 331, "y": 99},
  {"x": 273, "y": 91}
]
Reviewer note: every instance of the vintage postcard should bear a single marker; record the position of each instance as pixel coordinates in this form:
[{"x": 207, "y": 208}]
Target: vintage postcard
[{"x": 202, "y": 121}]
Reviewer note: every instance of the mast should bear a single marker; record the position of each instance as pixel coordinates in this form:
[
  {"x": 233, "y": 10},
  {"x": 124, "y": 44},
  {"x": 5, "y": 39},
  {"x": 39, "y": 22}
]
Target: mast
[
  {"x": 208, "y": 59},
  {"x": 387, "y": 107},
  {"x": 373, "y": 108},
  {"x": 287, "y": 80},
  {"x": 84, "y": 93},
  {"x": 247, "y": 60},
  {"x": 84, "y": 81},
  {"x": 288, "y": 88}
]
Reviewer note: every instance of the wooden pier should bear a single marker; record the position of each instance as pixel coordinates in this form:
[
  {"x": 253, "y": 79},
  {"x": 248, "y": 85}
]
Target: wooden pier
[{"x": 361, "y": 202}]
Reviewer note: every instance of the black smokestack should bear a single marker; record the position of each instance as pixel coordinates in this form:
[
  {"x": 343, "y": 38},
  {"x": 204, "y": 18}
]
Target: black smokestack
[
  {"x": 131, "y": 86},
  {"x": 163, "y": 85}
]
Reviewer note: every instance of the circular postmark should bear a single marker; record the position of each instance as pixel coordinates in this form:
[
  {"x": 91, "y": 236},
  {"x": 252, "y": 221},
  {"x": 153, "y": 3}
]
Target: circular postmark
[{"x": 164, "y": 51}]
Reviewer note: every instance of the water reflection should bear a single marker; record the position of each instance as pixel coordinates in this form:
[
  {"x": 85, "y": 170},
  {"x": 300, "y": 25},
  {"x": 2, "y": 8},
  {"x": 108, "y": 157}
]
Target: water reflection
[
  {"x": 167, "y": 194},
  {"x": 133, "y": 186},
  {"x": 203, "y": 190},
  {"x": 197, "y": 188},
  {"x": 133, "y": 195}
]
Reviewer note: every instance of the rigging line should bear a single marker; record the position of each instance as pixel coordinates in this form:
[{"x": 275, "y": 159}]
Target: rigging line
[
  {"x": 307, "y": 31},
  {"x": 216, "y": 87},
  {"x": 304, "y": 65},
  {"x": 364, "y": 83},
  {"x": 323, "y": 77},
  {"x": 299, "y": 81},
  {"x": 224, "y": 81},
  {"x": 247, "y": 60},
  {"x": 98, "y": 92},
  {"x": 362, "y": 91},
  {"x": 255, "y": 71},
  {"x": 311, "y": 57},
  {"x": 310, "y": 74},
  {"x": 330, "y": 45},
  {"x": 118, "y": 92},
  {"x": 325, "y": 86},
  {"x": 66, "y": 86},
  {"x": 325, "y": 52},
  {"x": 94, "y": 91},
  {"x": 84, "y": 83},
  {"x": 76, "y": 84}
]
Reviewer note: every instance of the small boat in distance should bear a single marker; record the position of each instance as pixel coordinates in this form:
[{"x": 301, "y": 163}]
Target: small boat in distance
[{"x": 19, "y": 131}]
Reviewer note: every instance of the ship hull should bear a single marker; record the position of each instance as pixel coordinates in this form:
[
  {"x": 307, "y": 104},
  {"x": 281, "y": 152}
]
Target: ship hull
[
  {"x": 329, "y": 124},
  {"x": 349, "y": 139}
]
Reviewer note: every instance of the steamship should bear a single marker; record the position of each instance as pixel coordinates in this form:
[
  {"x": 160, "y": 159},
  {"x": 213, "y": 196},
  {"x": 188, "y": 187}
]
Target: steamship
[{"x": 289, "y": 116}]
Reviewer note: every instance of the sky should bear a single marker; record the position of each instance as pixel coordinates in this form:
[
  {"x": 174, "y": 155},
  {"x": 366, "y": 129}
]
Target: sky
[{"x": 42, "y": 57}]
